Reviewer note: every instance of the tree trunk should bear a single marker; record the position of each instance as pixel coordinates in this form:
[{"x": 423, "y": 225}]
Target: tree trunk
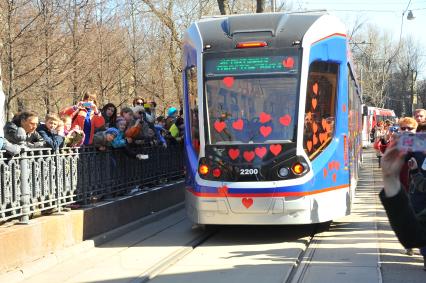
[
  {"x": 10, "y": 61},
  {"x": 224, "y": 7},
  {"x": 260, "y": 6}
]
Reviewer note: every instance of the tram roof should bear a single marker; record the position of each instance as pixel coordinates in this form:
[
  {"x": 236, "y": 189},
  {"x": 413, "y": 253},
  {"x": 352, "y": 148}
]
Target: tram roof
[{"x": 278, "y": 29}]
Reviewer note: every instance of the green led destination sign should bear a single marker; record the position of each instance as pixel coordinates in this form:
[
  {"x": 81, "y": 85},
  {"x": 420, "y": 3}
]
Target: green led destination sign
[{"x": 261, "y": 64}]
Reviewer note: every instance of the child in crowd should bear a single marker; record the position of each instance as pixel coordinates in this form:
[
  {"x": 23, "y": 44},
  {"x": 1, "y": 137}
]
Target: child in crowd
[
  {"x": 127, "y": 114},
  {"x": 49, "y": 131},
  {"x": 67, "y": 121},
  {"x": 125, "y": 142},
  {"x": 120, "y": 140},
  {"x": 160, "y": 131},
  {"x": 75, "y": 137},
  {"x": 103, "y": 139}
]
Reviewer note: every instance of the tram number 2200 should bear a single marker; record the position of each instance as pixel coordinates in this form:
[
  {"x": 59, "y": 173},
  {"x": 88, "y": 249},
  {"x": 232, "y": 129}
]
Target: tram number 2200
[{"x": 249, "y": 171}]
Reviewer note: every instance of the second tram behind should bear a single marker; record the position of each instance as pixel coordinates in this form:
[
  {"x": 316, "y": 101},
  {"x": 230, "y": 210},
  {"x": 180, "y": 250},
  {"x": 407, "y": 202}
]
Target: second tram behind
[
  {"x": 272, "y": 119},
  {"x": 370, "y": 117}
]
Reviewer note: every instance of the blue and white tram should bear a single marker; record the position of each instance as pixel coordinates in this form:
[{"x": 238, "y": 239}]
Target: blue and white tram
[{"x": 272, "y": 119}]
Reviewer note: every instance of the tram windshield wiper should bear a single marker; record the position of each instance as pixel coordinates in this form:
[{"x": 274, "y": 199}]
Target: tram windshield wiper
[{"x": 278, "y": 141}]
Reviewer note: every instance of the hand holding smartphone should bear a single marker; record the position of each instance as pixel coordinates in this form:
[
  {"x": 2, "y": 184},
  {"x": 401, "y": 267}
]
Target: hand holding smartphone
[
  {"x": 412, "y": 142},
  {"x": 412, "y": 163},
  {"x": 87, "y": 104}
]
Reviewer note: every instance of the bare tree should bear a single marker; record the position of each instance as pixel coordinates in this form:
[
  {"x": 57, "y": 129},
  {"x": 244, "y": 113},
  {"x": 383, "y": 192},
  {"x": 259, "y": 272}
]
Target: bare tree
[
  {"x": 19, "y": 19},
  {"x": 165, "y": 16},
  {"x": 260, "y": 7},
  {"x": 77, "y": 17},
  {"x": 224, "y": 7}
]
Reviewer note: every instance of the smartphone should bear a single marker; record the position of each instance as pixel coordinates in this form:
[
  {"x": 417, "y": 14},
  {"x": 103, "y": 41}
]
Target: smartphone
[
  {"x": 87, "y": 104},
  {"x": 412, "y": 142}
]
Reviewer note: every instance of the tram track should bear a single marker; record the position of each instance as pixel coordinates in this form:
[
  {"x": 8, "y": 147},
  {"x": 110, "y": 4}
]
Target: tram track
[
  {"x": 302, "y": 264},
  {"x": 170, "y": 250},
  {"x": 291, "y": 273},
  {"x": 175, "y": 256}
]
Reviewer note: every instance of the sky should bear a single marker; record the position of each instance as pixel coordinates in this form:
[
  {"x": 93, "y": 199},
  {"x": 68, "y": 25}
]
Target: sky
[{"x": 385, "y": 14}]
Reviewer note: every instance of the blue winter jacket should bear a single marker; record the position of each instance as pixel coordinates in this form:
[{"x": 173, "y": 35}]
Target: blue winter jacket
[
  {"x": 119, "y": 140},
  {"x": 53, "y": 140}
]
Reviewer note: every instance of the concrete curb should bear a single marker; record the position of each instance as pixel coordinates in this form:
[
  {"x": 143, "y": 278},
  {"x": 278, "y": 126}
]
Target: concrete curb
[{"x": 157, "y": 203}]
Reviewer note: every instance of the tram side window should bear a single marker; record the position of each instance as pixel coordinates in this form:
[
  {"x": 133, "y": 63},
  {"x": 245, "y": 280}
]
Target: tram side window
[
  {"x": 320, "y": 107},
  {"x": 191, "y": 78}
]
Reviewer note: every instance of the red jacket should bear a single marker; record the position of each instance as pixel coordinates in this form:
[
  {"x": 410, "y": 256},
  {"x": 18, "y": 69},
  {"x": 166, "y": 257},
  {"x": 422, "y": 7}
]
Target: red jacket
[{"x": 79, "y": 115}]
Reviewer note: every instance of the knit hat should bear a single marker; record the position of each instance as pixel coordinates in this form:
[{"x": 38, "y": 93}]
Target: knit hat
[
  {"x": 119, "y": 120},
  {"x": 171, "y": 111},
  {"x": 112, "y": 131}
]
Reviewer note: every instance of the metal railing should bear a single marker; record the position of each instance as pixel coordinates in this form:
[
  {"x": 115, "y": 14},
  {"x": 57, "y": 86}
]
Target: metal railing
[{"x": 43, "y": 180}]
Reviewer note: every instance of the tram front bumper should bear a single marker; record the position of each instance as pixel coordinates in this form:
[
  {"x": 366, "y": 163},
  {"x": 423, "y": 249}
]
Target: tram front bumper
[{"x": 218, "y": 211}]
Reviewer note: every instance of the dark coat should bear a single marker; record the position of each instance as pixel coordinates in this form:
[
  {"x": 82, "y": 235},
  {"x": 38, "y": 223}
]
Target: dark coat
[
  {"x": 410, "y": 228},
  {"x": 15, "y": 134},
  {"x": 52, "y": 140}
]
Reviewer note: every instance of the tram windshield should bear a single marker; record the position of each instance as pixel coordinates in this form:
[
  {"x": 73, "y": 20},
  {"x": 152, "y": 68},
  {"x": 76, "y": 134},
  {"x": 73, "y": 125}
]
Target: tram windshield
[{"x": 251, "y": 99}]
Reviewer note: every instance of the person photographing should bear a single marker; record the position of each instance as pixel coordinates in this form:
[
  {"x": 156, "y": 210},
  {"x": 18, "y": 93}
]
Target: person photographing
[{"x": 409, "y": 227}]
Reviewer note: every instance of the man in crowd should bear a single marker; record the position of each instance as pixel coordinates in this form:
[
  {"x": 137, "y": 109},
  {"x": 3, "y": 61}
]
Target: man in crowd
[
  {"x": 22, "y": 130},
  {"x": 420, "y": 115}
]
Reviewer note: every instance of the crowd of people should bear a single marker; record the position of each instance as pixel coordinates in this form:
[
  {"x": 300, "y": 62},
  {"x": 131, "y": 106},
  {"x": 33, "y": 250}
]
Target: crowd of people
[
  {"x": 404, "y": 180},
  {"x": 86, "y": 124}
]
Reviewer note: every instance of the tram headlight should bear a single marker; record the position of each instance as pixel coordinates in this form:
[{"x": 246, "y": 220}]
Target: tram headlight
[
  {"x": 203, "y": 169},
  {"x": 283, "y": 172},
  {"x": 298, "y": 168}
]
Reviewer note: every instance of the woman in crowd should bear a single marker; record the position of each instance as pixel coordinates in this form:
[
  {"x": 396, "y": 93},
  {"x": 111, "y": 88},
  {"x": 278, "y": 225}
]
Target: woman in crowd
[
  {"x": 86, "y": 115},
  {"x": 109, "y": 112},
  {"x": 138, "y": 101}
]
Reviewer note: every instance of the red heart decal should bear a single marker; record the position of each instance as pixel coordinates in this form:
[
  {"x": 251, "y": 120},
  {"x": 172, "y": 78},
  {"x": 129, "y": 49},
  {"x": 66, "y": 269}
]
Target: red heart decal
[
  {"x": 260, "y": 151},
  {"x": 344, "y": 107},
  {"x": 314, "y": 127},
  {"x": 219, "y": 126},
  {"x": 275, "y": 149},
  {"x": 285, "y": 120},
  {"x": 334, "y": 176},
  {"x": 248, "y": 155},
  {"x": 289, "y": 62},
  {"x": 336, "y": 165},
  {"x": 222, "y": 190},
  {"x": 330, "y": 165},
  {"x": 247, "y": 202},
  {"x": 315, "y": 88},
  {"x": 264, "y": 117},
  {"x": 322, "y": 137},
  {"x": 238, "y": 125},
  {"x": 315, "y": 139},
  {"x": 234, "y": 153},
  {"x": 309, "y": 145},
  {"x": 324, "y": 124},
  {"x": 325, "y": 172},
  {"x": 314, "y": 103},
  {"x": 228, "y": 81},
  {"x": 265, "y": 131}
]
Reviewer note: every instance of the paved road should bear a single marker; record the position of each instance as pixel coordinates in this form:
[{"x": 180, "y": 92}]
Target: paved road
[{"x": 357, "y": 248}]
